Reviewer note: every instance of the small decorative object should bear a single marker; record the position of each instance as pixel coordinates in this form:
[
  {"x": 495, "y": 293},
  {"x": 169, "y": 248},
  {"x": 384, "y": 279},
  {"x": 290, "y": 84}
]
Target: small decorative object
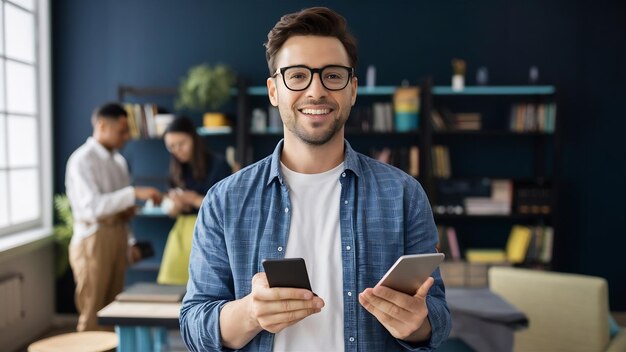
[
  {"x": 406, "y": 105},
  {"x": 482, "y": 76},
  {"x": 259, "y": 121},
  {"x": 370, "y": 78},
  {"x": 458, "y": 76},
  {"x": 206, "y": 88},
  {"x": 533, "y": 75},
  {"x": 275, "y": 123}
]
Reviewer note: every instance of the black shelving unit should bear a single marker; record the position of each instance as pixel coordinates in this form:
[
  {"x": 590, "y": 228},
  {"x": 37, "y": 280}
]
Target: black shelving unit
[{"x": 540, "y": 151}]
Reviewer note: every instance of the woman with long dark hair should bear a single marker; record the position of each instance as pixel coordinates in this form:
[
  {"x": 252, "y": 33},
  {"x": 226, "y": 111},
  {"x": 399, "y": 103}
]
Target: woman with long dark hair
[{"x": 193, "y": 170}]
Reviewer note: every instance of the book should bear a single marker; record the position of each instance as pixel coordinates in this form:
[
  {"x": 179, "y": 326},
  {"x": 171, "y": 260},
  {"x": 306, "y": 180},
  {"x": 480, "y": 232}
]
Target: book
[
  {"x": 518, "y": 243},
  {"x": 152, "y": 292},
  {"x": 476, "y": 255},
  {"x": 453, "y": 243}
]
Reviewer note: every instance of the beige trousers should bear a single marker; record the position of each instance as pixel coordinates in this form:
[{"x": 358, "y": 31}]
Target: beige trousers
[{"x": 99, "y": 263}]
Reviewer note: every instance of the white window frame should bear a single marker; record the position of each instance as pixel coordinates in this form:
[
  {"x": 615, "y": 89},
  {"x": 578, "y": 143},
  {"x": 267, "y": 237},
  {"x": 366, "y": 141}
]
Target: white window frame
[{"x": 17, "y": 235}]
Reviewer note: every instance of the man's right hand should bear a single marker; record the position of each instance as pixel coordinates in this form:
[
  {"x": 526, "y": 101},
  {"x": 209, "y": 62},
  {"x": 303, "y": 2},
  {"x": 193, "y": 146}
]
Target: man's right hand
[
  {"x": 145, "y": 193},
  {"x": 274, "y": 309},
  {"x": 265, "y": 308}
]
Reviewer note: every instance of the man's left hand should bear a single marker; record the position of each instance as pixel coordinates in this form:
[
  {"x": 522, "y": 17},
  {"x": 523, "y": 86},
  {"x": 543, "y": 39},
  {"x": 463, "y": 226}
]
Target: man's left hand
[
  {"x": 404, "y": 316},
  {"x": 134, "y": 254}
]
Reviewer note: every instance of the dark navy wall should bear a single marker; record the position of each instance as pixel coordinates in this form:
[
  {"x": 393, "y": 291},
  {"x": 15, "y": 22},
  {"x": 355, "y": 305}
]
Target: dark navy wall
[{"x": 578, "y": 46}]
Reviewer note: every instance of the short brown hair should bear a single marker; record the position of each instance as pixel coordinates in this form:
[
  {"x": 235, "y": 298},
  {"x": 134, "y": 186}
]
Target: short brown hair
[{"x": 320, "y": 21}]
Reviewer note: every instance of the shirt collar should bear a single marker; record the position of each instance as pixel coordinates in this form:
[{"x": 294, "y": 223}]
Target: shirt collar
[
  {"x": 351, "y": 162},
  {"x": 100, "y": 149}
]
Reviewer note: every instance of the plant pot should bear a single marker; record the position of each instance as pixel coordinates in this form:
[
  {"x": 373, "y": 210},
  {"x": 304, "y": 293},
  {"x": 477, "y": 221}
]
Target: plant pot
[{"x": 214, "y": 119}]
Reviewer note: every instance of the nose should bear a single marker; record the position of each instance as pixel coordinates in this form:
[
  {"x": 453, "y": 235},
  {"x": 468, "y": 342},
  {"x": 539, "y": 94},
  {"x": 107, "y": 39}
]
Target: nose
[{"x": 316, "y": 88}]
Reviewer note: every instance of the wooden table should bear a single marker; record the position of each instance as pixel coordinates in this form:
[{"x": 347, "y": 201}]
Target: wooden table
[{"x": 141, "y": 326}]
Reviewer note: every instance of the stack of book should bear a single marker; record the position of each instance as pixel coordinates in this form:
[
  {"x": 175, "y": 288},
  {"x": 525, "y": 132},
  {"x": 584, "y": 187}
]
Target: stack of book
[
  {"x": 144, "y": 121},
  {"x": 498, "y": 203},
  {"x": 441, "y": 161},
  {"x": 528, "y": 117},
  {"x": 467, "y": 121},
  {"x": 525, "y": 245}
]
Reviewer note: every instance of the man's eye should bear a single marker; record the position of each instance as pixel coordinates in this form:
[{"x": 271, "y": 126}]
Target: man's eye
[
  {"x": 297, "y": 76},
  {"x": 333, "y": 76}
]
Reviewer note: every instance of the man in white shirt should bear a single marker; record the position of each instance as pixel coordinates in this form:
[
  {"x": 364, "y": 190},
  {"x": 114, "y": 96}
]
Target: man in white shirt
[{"x": 97, "y": 184}]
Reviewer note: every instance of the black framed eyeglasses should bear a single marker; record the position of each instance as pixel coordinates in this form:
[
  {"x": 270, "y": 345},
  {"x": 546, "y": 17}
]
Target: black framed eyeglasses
[{"x": 299, "y": 77}]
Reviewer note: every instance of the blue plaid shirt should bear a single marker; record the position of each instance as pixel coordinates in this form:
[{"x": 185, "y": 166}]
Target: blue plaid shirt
[{"x": 384, "y": 213}]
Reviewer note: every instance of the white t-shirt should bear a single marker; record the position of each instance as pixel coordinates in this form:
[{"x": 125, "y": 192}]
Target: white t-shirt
[
  {"x": 315, "y": 235},
  {"x": 97, "y": 184}
]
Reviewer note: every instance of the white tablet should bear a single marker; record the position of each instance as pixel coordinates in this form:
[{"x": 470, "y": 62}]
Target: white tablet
[{"x": 410, "y": 271}]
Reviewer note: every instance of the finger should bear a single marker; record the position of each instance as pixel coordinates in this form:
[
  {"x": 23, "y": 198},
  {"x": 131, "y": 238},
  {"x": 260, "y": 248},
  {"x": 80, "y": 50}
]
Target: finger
[
  {"x": 396, "y": 297},
  {"x": 286, "y": 317},
  {"x": 286, "y": 306},
  {"x": 260, "y": 280},
  {"x": 275, "y": 328},
  {"x": 387, "y": 307},
  {"x": 391, "y": 323},
  {"x": 422, "y": 292},
  {"x": 262, "y": 291}
]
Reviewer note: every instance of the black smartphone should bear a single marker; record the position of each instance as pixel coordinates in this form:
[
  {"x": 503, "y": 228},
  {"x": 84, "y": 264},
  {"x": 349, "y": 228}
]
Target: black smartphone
[
  {"x": 145, "y": 248},
  {"x": 289, "y": 272}
]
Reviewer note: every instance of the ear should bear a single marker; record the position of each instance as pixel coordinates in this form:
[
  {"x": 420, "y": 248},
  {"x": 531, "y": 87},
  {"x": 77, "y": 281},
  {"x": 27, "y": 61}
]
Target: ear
[
  {"x": 354, "y": 85},
  {"x": 100, "y": 125},
  {"x": 271, "y": 91}
]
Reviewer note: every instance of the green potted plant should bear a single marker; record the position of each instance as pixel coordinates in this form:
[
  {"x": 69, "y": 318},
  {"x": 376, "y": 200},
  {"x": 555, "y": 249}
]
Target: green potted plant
[
  {"x": 206, "y": 88},
  {"x": 63, "y": 231}
]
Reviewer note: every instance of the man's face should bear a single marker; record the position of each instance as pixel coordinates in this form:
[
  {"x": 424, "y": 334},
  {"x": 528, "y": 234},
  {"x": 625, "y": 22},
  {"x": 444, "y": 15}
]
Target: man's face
[
  {"x": 114, "y": 133},
  {"x": 314, "y": 115}
]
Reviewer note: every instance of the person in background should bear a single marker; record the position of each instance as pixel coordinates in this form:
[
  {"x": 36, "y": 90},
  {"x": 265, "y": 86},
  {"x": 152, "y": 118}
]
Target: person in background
[
  {"x": 193, "y": 171},
  {"x": 349, "y": 216},
  {"x": 102, "y": 199}
]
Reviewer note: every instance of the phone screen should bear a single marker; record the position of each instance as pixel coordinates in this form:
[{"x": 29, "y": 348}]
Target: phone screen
[{"x": 289, "y": 272}]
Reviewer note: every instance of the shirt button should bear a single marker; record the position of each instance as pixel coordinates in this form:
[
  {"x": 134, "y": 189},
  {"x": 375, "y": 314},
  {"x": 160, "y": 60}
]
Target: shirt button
[
  {"x": 349, "y": 294},
  {"x": 347, "y": 248},
  {"x": 286, "y": 210},
  {"x": 343, "y": 174},
  {"x": 345, "y": 202},
  {"x": 280, "y": 249},
  {"x": 351, "y": 339}
]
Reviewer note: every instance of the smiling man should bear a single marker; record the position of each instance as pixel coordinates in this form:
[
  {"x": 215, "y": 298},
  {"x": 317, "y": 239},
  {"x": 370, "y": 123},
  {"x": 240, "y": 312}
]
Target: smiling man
[{"x": 349, "y": 216}]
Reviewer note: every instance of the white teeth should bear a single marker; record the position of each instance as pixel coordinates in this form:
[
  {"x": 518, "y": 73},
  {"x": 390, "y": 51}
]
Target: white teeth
[{"x": 315, "y": 111}]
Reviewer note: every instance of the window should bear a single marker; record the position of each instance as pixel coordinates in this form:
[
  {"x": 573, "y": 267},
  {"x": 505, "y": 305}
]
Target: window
[{"x": 25, "y": 172}]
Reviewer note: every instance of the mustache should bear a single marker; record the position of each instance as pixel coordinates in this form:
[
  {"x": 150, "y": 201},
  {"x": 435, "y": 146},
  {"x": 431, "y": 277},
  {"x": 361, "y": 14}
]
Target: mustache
[{"x": 310, "y": 102}]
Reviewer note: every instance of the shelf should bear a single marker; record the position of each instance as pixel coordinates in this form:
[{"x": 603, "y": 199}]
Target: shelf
[
  {"x": 152, "y": 212},
  {"x": 510, "y": 216},
  {"x": 267, "y": 134},
  {"x": 515, "y": 179},
  {"x": 495, "y": 90},
  {"x": 381, "y": 134},
  {"x": 257, "y": 91},
  {"x": 215, "y": 131},
  {"x": 440, "y": 90},
  {"x": 379, "y": 90},
  {"x": 488, "y": 133}
]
